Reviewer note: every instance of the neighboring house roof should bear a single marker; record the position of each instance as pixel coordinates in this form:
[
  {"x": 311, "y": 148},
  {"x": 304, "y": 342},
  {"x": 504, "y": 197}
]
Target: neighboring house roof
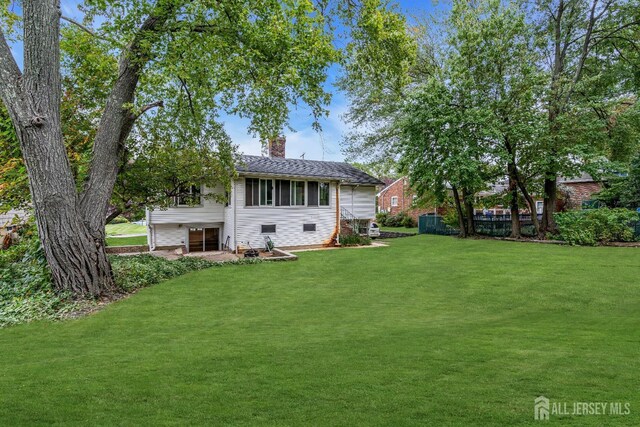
[
  {"x": 388, "y": 180},
  {"x": 495, "y": 188},
  {"x": 278, "y": 166},
  {"x": 584, "y": 177}
]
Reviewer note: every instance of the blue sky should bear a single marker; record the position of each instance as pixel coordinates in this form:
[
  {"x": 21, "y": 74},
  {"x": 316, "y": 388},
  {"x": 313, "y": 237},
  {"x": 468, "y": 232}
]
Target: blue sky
[{"x": 315, "y": 146}]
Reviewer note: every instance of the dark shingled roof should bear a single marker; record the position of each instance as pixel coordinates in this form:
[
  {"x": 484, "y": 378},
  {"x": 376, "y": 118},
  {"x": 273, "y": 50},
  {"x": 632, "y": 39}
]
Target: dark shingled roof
[{"x": 278, "y": 166}]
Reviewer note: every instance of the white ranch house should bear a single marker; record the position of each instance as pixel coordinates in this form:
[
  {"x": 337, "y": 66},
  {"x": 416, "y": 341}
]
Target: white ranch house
[{"x": 294, "y": 202}]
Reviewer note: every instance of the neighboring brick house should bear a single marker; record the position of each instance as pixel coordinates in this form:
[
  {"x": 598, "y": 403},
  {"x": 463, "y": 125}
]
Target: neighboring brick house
[
  {"x": 580, "y": 189},
  {"x": 398, "y": 197}
]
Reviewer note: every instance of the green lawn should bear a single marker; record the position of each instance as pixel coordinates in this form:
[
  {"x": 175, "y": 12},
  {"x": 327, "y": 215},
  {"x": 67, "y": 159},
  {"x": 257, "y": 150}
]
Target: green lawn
[
  {"x": 128, "y": 228},
  {"x": 401, "y": 229},
  {"x": 428, "y": 331},
  {"x": 127, "y": 241}
]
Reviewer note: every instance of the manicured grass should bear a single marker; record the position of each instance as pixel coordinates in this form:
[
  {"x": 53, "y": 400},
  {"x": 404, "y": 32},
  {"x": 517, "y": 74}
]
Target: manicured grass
[
  {"x": 127, "y": 241},
  {"x": 128, "y": 228},
  {"x": 401, "y": 229},
  {"x": 428, "y": 331}
]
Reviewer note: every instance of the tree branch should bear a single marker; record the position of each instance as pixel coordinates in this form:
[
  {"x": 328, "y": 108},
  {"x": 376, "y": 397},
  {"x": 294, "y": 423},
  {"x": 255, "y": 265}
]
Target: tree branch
[
  {"x": 10, "y": 75},
  {"x": 186, "y": 89},
  {"x": 116, "y": 121},
  {"x": 147, "y": 108},
  {"x": 586, "y": 48},
  {"x": 90, "y": 31}
]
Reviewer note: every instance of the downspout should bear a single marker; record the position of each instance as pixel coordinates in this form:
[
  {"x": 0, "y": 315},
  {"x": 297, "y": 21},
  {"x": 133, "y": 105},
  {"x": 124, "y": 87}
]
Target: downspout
[
  {"x": 151, "y": 231},
  {"x": 338, "y": 212},
  {"x": 235, "y": 222},
  {"x": 403, "y": 191}
]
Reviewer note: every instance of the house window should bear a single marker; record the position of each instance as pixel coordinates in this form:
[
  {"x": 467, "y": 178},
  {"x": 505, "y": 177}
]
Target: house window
[
  {"x": 312, "y": 193},
  {"x": 539, "y": 207},
  {"x": 283, "y": 192},
  {"x": 317, "y": 193},
  {"x": 266, "y": 192},
  {"x": 188, "y": 196},
  {"x": 268, "y": 228},
  {"x": 308, "y": 227},
  {"x": 297, "y": 193},
  {"x": 324, "y": 193},
  {"x": 394, "y": 201},
  {"x": 252, "y": 192}
]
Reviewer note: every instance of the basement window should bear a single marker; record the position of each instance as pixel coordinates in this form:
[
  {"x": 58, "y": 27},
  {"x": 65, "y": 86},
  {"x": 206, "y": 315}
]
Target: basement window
[
  {"x": 268, "y": 228},
  {"x": 308, "y": 227}
]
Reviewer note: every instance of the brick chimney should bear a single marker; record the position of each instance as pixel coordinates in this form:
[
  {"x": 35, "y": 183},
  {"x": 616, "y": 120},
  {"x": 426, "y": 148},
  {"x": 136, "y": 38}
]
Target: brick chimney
[{"x": 277, "y": 147}]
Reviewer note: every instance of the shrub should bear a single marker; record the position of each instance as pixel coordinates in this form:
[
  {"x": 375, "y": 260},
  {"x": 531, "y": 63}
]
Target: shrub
[
  {"x": 119, "y": 220},
  {"x": 400, "y": 220},
  {"x": 354, "y": 240},
  {"x": 596, "y": 226},
  {"x": 407, "y": 221},
  {"x": 138, "y": 271},
  {"x": 382, "y": 218},
  {"x": 451, "y": 219},
  {"x": 26, "y": 289}
]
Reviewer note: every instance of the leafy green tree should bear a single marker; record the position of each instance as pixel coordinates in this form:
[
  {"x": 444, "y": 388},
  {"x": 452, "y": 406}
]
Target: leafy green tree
[
  {"x": 379, "y": 62},
  {"x": 442, "y": 147},
  {"x": 623, "y": 190},
  {"x": 572, "y": 35},
  {"x": 497, "y": 65},
  {"x": 14, "y": 185}
]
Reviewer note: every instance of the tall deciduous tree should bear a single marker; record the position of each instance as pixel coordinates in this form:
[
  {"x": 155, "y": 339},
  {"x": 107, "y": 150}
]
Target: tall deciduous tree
[
  {"x": 442, "y": 146},
  {"x": 196, "y": 57},
  {"x": 571, "y": 34},
  {"x": 492, "y": 52}
]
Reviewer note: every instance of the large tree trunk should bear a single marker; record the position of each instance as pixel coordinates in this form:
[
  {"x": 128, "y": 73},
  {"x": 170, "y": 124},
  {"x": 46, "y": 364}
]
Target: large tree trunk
[
  {"x": 461, "y": 221},
  {"x": 513, "y": 204},
  {"x": 531, "y": 204},
  {"x": 550, "y": 200},
  {"x": 116, "y": 124},
  {"x": 468, "y": 207},
  {"x": 78, "y": 262}
]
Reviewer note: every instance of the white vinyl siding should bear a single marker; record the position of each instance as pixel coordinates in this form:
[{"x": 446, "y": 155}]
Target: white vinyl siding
[
  {"x": 359, "y": 200},
  {"x": 289, "y": 221},
  {"x": 209, "y": 211},
  {"x": 170, "y": 235}
]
